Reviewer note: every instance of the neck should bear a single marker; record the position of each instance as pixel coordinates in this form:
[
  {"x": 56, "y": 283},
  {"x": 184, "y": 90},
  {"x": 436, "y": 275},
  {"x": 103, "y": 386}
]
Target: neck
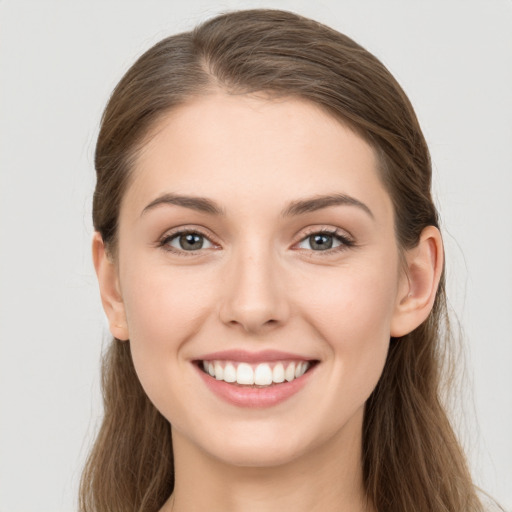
[{"x": 327, "y": 479}]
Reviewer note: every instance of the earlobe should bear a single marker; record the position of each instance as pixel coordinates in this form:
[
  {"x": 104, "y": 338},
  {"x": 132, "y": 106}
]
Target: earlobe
[
  {"x": 419, "y": 286},
  {"x": 108, "y": 280}
]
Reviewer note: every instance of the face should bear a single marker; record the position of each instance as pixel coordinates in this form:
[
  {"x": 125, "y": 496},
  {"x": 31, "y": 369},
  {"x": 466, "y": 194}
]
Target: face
[{"x": 259, "y": 276}]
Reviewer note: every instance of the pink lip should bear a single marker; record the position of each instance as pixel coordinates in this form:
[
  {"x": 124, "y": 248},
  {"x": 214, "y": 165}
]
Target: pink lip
[
  {"x": 252, "y": 357},
  {"x": 252, "y": 397}
]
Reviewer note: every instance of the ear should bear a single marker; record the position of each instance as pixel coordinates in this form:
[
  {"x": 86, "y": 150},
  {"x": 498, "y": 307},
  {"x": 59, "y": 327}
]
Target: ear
[
  {"x": 108, "y": 280},
  {"x": 418, "y": 287}
]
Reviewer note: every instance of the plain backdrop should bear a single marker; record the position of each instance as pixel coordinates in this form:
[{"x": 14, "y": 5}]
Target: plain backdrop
[{"x": 59, "y": 61}]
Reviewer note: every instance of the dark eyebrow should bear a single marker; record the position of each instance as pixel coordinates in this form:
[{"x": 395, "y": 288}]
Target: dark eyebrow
[
  {"x": 200, "y": 204},
  {"x": 312, "y": 204}
]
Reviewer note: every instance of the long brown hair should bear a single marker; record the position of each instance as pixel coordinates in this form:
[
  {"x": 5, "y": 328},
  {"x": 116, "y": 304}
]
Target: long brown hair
[{"x": 411, "y": 457}]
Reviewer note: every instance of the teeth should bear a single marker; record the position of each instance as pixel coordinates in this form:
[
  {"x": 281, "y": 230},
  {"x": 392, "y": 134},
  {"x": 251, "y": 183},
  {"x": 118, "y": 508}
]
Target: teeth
[
  {"x": 219, "y": 371},
  {"x": 244, "y": 374},
  {"x": 303, "y": 368},
  {"x": 262, "y": 374},
  {"x": 289, "y": 373},
  {"x": 278, "y": 373},
  {"x": 229, "y": 373}
]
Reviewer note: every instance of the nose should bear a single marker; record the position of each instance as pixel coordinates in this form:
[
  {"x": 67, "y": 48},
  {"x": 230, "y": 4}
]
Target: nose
[{"x": 254, "y": 296}]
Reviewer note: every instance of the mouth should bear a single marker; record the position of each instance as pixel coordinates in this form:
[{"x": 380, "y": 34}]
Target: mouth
[
  {"x": 255, "y": 379},
  {"x": 256, "y": 375}
]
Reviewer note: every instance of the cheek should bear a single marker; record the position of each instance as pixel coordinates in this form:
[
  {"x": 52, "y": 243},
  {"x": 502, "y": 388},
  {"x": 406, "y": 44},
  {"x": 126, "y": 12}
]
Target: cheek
[
  {"x": 351, "y": 305},
  {"x": 354, "y": 319},
  {"x": 165, "y": 309},
  {"x": 164, "y": 305}
]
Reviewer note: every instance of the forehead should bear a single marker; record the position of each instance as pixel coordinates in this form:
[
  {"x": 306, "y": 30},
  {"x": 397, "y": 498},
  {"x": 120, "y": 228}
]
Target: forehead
[{"x": 236, "y": 148}]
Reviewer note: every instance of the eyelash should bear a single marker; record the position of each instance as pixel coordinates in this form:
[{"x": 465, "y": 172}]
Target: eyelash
[
  {"x": 345, "y": 241},
  {"x": 168, "y": 237}
]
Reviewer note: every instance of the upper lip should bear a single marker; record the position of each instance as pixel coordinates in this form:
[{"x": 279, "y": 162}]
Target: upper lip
[{"x": 252, "y": 357}]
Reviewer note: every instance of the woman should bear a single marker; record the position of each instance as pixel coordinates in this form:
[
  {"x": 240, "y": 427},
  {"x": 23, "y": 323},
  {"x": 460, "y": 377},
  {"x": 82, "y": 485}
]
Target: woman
[{"x": 270, "y": 263}]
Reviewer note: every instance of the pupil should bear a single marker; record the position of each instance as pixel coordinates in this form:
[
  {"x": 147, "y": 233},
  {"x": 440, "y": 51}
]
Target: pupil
[
  {"x": 191, "y": 241},
  {"x": 321, "y": 241}
]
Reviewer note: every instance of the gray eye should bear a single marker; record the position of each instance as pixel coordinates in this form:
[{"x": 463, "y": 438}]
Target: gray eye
[
  {"x": 320, "y": 242},
  {"x": 190, "y": 242}
]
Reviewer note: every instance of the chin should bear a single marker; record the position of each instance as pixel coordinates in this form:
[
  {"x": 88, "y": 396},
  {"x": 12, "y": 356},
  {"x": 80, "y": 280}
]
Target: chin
[
  {"x": 262, "y": 444},
  {"x": 258, "y": 455}
]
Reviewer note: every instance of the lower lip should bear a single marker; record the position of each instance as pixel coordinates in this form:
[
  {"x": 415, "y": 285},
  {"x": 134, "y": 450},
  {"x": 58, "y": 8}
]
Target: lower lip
[{"x": 245, "y": 396}]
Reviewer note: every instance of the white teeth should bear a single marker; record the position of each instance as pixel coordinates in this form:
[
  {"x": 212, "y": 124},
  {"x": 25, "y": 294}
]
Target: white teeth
[
  {"x": 219, "y": 371},
  {"x": 278, "y": 373},
  {"x": 244, "y": 374},
  {"x": 263, "y": 375},
  {"x": 229, "y": 373},
  {"x": 302, "y": 369},
  {"x": 289, "y": 373}
]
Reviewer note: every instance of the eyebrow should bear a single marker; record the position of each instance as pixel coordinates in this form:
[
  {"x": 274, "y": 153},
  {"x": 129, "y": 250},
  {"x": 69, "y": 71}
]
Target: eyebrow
[
  {"x": 312, "y": 204},
  {"x": 201, "y": 204},
  {"x": 298, "y": 207}
]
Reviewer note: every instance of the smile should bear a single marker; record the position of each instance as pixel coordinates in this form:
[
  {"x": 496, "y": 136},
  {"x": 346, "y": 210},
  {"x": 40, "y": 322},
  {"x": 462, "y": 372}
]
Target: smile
[
  {"x": 262, "y": 374},
  {"x": 255, "y": 379}
]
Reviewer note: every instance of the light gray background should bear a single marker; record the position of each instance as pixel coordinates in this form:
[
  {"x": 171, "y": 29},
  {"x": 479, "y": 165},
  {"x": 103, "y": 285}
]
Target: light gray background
[{"x": 59, "y": 62}]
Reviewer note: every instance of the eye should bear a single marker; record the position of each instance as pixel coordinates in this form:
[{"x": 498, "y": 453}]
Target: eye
[
  {"x": 187, "y": 241},
  {"x": 325, "y": 241}
]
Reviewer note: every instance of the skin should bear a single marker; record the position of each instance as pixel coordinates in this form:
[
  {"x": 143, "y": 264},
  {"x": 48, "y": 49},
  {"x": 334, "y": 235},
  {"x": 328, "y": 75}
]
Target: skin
[{"x": 259, "y": 284}]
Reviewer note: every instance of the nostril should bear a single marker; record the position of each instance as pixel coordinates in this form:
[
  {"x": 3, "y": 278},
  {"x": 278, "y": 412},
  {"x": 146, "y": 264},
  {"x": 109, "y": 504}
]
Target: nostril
[{"x": 254, "y": 324}]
